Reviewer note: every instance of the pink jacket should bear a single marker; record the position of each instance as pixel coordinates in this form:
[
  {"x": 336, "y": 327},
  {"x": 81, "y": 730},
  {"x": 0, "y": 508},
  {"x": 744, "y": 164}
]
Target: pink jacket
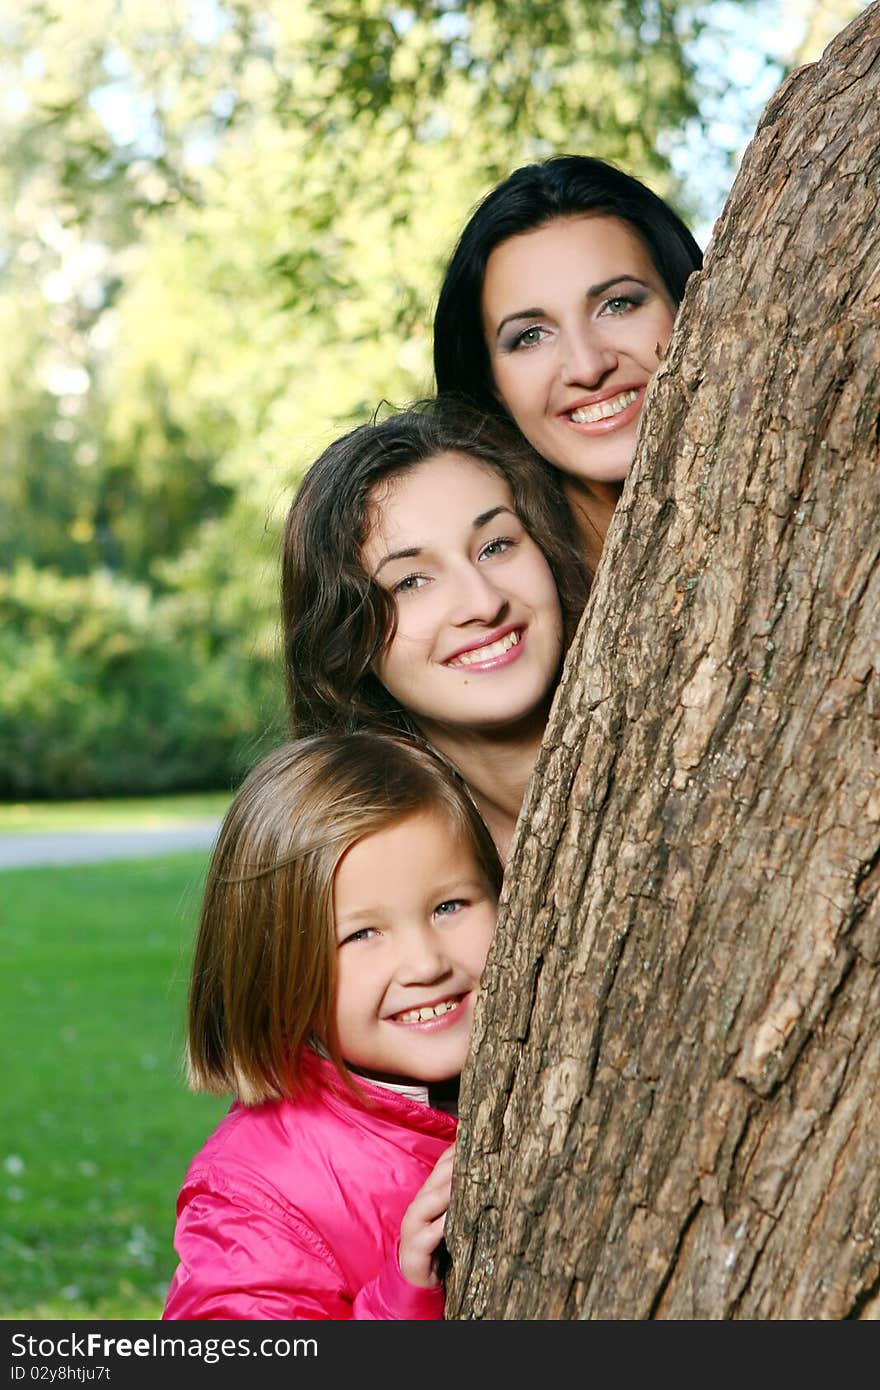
[{"x": 292, "y": 1209}]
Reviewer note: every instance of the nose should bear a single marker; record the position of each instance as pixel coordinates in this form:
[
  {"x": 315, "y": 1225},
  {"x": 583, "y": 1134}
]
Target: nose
[
  {"x": 476, "y": 598},
  {"x": 422, "y": 959},
  {"x": 584, "y": 358}
]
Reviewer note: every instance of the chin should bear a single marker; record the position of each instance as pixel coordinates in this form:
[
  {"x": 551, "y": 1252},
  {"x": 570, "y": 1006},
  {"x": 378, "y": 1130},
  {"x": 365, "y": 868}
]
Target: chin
[
  {"x": 443, "y": 1075},
  {"x": 611, "y": 472}
]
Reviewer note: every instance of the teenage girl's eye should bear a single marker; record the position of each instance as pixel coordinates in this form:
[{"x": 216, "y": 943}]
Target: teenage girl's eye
[
  {"x": 449, "y": 907},
  {"x": 409, "y": 584},
  {"x": 496, "y": 547}
]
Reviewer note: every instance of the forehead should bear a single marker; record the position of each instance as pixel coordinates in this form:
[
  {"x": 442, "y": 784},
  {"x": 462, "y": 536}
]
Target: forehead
[
  {"x": 446, "y": 490},
  {"x": 432, "y": 841},
  {"x": 588, "y": 249}
]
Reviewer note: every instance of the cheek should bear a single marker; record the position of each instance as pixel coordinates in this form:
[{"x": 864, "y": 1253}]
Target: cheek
[
  {"x": 539, "y": 582},
  {"x": 341, "y": 1007},
  {"x": 400, "y": 657},
  {"x": 420, "y": 617},
  {"x": 354, "y": 989},
  {"x": 482, "y": 941},
  {"x": 516, "y": 383},
  {"x": 656, "y": 332}
]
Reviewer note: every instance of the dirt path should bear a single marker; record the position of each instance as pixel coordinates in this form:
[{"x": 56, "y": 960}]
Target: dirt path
[{"x": 32, "y": 848}]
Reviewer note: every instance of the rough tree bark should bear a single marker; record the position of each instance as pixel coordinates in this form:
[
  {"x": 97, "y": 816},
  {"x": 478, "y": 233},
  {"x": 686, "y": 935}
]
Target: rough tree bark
[{"x": 671, "y": 1107}]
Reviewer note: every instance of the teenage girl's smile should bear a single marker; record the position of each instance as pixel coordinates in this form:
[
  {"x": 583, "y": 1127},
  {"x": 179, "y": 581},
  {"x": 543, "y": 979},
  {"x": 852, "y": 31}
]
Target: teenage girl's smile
[
  {"x": 414, "y": 917},
  {"x": 491, "y": 651},
  {"x": 478, "y": 641},
  {"x": 575, "y": 317}
]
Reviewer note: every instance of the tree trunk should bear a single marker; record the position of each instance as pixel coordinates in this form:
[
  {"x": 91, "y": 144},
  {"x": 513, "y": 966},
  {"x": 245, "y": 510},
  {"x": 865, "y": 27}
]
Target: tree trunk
[{"x": 672, "y": 1107}]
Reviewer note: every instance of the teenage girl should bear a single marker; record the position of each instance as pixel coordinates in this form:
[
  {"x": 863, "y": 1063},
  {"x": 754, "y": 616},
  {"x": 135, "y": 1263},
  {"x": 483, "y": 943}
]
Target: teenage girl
[
  {"x": 348, "y": 910},
  {"x": 431, "y": 581}
]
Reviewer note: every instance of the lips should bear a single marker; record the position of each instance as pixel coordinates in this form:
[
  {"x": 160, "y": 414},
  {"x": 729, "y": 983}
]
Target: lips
[
  {"x": 492, "y": 648},
  {"x": 426, "y": 1013},
  {"x": 614, "y": 407},
  {"x": 603, "y": 410}
]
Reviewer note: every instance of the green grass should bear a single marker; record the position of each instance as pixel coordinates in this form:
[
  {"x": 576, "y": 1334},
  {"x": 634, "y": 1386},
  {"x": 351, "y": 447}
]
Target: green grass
[
  {"x": 96, "y": 1123},
  {"x": 121, "y": 814}
]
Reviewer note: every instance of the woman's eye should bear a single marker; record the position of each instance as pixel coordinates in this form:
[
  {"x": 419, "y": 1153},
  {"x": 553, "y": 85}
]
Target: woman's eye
[
  {"x": 620, "y": 304},
  {"x": 449, "y": 907},
  {"x": 409, "y": 584},
  {"x": 529, "y": 337}
]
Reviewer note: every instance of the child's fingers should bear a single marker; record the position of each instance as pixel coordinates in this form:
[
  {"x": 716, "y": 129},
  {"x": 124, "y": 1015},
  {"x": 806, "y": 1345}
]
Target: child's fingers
[
  {"x": 442, "y": 1171},
  {"x": 433, "y": 1196},
  {"x": 441, "y": 1174},
  {"x": 417, "y": 1248},
  {"x": 424, "y": 1223},
  {"x": 429, "y": 1202}
]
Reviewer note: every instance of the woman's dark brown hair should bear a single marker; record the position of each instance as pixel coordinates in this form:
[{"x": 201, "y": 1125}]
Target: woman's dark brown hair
[{"x": 336, "y": 619}]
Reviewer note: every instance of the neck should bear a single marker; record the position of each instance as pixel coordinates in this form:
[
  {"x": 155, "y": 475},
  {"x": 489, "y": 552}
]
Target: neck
[
  {"x": 496, "y": 766},
  {"x": 441, "y": 1095},
  {"x": 592, "y": 506}
]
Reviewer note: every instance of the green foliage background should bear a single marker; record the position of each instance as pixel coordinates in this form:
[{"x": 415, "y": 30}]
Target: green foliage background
[{"x": 226, "y": 225}]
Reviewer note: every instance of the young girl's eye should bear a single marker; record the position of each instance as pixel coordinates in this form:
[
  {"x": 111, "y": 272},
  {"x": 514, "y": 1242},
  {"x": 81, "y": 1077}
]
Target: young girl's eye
[
  {"x": 409, "y": 584},
  {"x": 362, "y": 934},
  {"x": 449, "y": 907}
]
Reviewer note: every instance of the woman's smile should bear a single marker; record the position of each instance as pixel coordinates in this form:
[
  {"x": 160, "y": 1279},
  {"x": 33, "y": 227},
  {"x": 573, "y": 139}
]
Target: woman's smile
[{"x": 608, "y": 411}]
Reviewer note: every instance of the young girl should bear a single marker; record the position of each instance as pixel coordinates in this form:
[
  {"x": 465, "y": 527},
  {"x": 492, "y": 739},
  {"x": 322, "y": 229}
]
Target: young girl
[{"x": 348, "y": 910}]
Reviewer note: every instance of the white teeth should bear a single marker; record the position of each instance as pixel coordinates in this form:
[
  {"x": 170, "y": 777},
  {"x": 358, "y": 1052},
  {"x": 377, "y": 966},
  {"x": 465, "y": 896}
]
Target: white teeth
[
  {"x": 587, "y": 414},
  {"x": 498, "y": 648},
  {"x": 432, "y": 1011}
]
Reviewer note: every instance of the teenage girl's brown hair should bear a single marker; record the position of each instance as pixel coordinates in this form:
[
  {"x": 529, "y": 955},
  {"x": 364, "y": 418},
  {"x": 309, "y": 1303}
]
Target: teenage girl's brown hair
[{"x": 263, "y": 973}]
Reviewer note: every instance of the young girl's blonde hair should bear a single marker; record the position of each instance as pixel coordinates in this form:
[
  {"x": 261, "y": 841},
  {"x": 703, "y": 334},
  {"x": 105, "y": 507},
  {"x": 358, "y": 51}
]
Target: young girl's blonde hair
[{"x": 263, "y": 973}]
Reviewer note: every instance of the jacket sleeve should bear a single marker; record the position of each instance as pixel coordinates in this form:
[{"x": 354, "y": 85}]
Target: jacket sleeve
[
  {"x": 240, "y": 1264},
  {"x": 390, "y": 1296}
]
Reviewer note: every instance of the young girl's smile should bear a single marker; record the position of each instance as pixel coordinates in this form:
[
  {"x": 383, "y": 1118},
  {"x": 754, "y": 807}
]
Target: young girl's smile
[
  {"x": 414, "y": 918},
  {"x": 478, "y": 641},
  {"x": 574, "y": 314}
]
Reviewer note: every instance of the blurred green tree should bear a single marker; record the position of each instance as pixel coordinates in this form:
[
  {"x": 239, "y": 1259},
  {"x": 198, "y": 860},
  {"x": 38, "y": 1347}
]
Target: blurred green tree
[{"x": 228, "y": 220}]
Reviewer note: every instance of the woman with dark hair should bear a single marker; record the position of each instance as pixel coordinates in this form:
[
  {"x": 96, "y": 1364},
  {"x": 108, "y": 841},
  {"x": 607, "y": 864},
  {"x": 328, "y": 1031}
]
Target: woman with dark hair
[
  {"x": 555, "y": 310},
  {"x": 431, "y": 581}
]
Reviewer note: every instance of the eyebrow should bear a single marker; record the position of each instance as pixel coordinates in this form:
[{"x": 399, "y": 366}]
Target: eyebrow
[
  {"x": 362, "y": 914},
  {"x": 591, "y": 292},
  {"x": 410, "y": 552}
]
